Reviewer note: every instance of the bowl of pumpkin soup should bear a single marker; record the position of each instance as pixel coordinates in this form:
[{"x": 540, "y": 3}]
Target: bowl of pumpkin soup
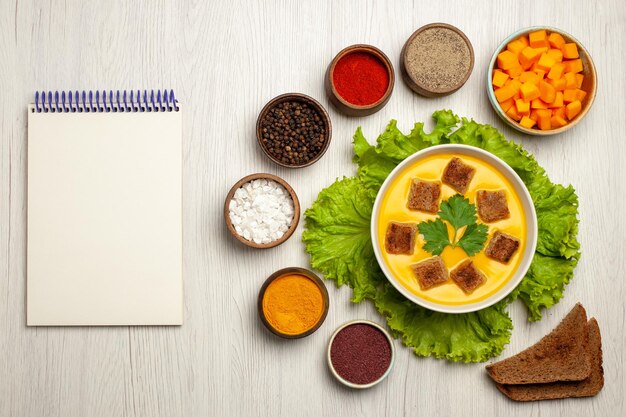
[{"x": 454, "y": 228}]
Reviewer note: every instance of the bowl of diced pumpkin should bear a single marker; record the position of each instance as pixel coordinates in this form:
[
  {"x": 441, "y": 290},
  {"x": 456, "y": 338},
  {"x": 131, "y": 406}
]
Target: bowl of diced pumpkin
[{"x": 541, "y": 81}]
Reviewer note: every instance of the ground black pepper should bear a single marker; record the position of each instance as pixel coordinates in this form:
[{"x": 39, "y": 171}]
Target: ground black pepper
[
  {"x": 360, "y": 353},
  {"x": 293, "y": 132}
]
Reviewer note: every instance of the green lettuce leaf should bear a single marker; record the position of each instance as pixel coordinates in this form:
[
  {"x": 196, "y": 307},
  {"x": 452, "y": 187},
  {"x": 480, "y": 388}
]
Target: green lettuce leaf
[
  {"x": 470, "y": 337},
  {"x": 543, "y": 285},
  {"x": 337, "y": 237}
]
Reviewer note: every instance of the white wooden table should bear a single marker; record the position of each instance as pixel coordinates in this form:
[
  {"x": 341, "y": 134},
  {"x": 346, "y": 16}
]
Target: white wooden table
[{"x": 225, "y": 59}]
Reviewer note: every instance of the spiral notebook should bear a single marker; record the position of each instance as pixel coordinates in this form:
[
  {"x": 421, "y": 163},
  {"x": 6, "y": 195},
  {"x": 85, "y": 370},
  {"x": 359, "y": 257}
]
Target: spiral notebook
[{"x": 104, "y": 244}]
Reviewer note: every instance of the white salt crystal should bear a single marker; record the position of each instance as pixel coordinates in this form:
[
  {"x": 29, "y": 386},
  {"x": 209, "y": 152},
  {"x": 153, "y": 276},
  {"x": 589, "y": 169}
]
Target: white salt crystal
[{"x": 261, "y": 211}]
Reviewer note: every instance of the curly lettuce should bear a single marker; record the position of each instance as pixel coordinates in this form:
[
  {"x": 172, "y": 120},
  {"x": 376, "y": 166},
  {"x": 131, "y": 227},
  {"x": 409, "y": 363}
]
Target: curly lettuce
[{"x": 337, "y": 237}]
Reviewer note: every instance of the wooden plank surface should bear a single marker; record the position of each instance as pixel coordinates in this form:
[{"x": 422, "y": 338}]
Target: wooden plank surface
[{"x": 225, "y": 59}]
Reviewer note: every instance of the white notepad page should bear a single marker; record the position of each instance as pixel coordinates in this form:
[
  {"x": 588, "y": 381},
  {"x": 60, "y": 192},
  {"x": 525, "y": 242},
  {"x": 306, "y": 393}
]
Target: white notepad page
[{"x": 104, "y": 219}]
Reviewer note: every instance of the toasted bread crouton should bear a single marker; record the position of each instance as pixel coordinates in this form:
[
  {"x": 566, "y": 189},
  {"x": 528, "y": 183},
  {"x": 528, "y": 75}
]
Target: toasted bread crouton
[
  {"x": 424, "y": 196},
  {"x": 458, "y": 175},
  {"x": 562, "y": 355},
  {"x": 400, "y": 238},
  {"x": 467, "y": 276},
  {"x": 502, "y": 247},
  {"x": 492, "y": 206},
  {"x": 588, "y": 387},
  {"x": 430, "y": 272}
]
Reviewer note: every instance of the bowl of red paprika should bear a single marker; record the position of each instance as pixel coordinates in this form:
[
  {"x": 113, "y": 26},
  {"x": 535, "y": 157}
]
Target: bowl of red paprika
[{"x": 359, "y": 80}]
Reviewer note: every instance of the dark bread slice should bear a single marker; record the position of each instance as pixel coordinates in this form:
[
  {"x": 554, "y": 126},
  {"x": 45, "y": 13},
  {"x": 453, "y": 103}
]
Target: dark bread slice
[
  {"x": 502, "y": 247},
  {"x": 400, "y": 238},
  {"x": 492, "y": 205},
  {"x": 560, "y": 356},
  {"x": 467, "y": 276},
  {"x": 424, "y": 196},
  {"x": 586, "y": 388},
  {"x": 430, "y": 272},
  {"x": 458, "y": 175}
]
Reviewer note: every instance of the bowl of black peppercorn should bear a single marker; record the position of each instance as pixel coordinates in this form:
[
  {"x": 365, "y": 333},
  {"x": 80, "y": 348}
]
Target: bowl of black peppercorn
[{"x": 294, "y": 130}]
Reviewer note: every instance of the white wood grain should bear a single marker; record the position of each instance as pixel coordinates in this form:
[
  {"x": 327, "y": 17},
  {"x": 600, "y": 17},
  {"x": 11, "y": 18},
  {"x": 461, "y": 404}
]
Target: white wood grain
[{"x": 225, "y": 59}]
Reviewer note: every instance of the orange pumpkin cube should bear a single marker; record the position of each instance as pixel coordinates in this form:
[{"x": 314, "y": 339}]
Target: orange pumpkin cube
[
  {"x": 559, "y": 85},
  {"x": 507, "y": 60},
  {"x": 543, "y": 121},
  {"x": 579, "y": 80},
  {"x": 529, "y": 91},
  {"x": 556, "y": 71},
  {"x": 558, "y": 101},
  {"x": 559, "y": 112},
  {"x": 499, "y": 78},
  {"x": 527, "y": 122},
  {"x": 528, "y": 57},
  {"x": 575, "y": 65},
  {"x": 545, "y": 63},
  {"x": 555, "y": 54},
  {"x": 515, "y": 71},
  {"x": 569, "y": 95},
  {"x": 538, "y": 39},
  {"x": 506, "y": 104},
  {"x": 572, "y": 109},
  {"x": 580, "y": 95},
  {"x": 504, "y": 93},
  {"x": 557, "y": 121},
  {"x": 538, "y": 104},
  {"x": 570, "y": 51},
  {"x": 556, "y": 40},
  {"x": 570, "y": 80},
  {"x": 517, "y": 45},
  {"x": 512, "y": 113},
  {"x": 522, "y": 107},
  {"x": 547, "y": 92}
]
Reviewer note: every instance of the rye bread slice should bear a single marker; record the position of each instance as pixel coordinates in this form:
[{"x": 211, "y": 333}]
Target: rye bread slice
[
  {"x": 570, "y": 389},
  {"x": 560, "y": 356}
]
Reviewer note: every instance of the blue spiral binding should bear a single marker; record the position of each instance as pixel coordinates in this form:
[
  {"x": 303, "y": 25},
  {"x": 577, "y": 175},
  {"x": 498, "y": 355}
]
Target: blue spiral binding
[{"x": 86, "y": 101}]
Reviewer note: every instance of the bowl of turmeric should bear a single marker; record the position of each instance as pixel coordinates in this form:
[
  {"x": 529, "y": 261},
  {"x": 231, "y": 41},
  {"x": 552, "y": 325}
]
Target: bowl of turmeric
[
  {"x": 541, "y": 81},
  {"x": 293, "y": 303}
]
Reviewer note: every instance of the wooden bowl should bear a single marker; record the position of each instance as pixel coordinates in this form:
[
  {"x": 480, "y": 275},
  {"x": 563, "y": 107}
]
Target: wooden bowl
[
  {"x": 304, "y": 99},
  {"x": 413, "y": 83},
  {"x": 299, "y": 271},
  {"x": 589, "y": 83},
  {"x": 292, "y": 226},
  {"x": 339, "y": 102}
]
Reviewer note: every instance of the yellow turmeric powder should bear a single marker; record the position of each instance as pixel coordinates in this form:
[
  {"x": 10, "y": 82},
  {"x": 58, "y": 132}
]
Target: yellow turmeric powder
[{"x": 293, "y": 304}]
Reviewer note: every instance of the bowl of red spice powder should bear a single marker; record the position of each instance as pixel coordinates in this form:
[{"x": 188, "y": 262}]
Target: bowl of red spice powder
[
  {"x": 360, "y": 354},
  {"x": 359, "y": 80}
]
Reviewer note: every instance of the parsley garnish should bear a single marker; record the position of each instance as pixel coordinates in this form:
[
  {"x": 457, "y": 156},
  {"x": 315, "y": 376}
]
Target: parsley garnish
[{"x": 459, "y": 212}]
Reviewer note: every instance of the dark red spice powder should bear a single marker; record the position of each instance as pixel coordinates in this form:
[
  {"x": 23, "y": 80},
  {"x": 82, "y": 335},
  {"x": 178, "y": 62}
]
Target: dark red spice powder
[
  {"x": 360, "y": 353},
  {"x": 360, "y": 78}
]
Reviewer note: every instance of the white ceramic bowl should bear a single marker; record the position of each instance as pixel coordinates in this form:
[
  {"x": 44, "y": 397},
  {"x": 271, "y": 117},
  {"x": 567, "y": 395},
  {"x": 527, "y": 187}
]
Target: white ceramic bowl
[
  {"x": 352, "y": 384},
  {"x": 529, "y": 211}
]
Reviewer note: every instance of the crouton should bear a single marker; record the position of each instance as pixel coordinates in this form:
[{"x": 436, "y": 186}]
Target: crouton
[
  {"x": 492, "y": 206},
  {"x": 458, "y": 175},
  {"x": 467, "y": 276},
  {"x": 430, "y": 272},
  {"x": 424, "y": 196},
  {"x": 400, "y": 238},
  {"x": 502, "y": 247}
]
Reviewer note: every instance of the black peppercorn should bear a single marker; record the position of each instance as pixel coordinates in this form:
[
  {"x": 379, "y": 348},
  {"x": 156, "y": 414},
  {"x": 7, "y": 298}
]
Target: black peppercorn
[{"x": 293, "y": 132}]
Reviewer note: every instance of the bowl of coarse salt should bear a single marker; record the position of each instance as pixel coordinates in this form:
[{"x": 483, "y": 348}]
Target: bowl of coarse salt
[{"x": 261, "y": 210}]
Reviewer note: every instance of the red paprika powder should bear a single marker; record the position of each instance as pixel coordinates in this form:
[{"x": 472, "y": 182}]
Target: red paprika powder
[{"x": 360, "y": 78}]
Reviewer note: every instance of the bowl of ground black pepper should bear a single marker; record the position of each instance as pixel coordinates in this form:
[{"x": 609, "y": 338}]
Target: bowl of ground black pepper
[
  {"x": 360, "y": 354},
  {"x": 294, "y": 130},
  {"x": 359, "y": 80},
  {"x": 437, "y": 60}
]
